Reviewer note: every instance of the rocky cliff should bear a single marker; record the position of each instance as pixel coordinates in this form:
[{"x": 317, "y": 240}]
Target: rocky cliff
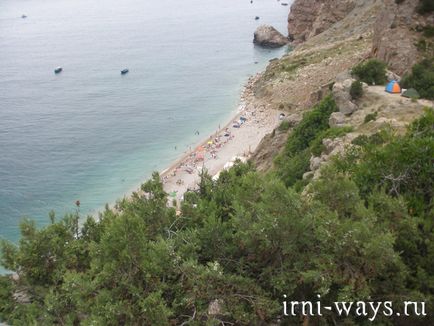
[
  {"x": 308, "y": 18},
  {"x": 397, "y": 31},
  {"x": 397, "y": 35},
  {"x": 331, "y": 37}
]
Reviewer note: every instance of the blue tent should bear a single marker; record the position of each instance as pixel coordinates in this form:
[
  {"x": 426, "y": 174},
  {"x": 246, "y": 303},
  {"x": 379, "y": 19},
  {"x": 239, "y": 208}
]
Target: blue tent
[{"x": 393, "y": 87}]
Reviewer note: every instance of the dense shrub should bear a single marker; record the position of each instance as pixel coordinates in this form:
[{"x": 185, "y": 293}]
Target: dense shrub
[
  {"x": 421, "y": 78},
  {"x": 370, "y": 117},
  {"x": 425, "y": 6},
  {"x": 356, "y": 90},
  {"x": 313, "y": 122},
  {"x": 284, "y": 125},
  {"x": 293, "y": 162},
  {"x": 361, "y": 231},
  {"x": 375, "y": 139},
  {"x": 360, "y": 140},
  {"x": 403, "y": 165},
  {"x": 372, "y": 72},
  {"x": 428, "y": 31}
]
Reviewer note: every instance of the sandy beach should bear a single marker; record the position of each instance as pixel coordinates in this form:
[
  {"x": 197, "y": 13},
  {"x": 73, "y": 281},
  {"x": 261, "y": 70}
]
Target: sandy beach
[{"x": 238, "y": 139}]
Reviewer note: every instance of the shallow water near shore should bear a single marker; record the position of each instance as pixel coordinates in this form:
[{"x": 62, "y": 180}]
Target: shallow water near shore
[{"x": 92, "y": 135}]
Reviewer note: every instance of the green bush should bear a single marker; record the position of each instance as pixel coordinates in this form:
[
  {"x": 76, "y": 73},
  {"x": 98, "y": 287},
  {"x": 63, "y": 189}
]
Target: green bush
[
  {"x": 425, "y": 6},
  {"x": 284, "y": 125},
  {"x": 313, "y": 122},
  {"x": 360, "y": 140},
  {"x": 293, "y": 161},
  {"x": 421, "y": 78},
  {"x": 375, "y": 139},
  {"x": 356, "y": 90},
  {"x": 370, "y": 117},
  {"x": 372, "y": 72},
  {"x": 428, "y": 31}
]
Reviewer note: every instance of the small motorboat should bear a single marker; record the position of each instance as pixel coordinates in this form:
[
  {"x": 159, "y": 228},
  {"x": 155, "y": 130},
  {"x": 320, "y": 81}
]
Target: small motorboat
[
  {"x": 23, "y": 16},
  {"x": 257, "y": 18},
  {"x": 125, "y": 71},
  {"x": 58, "y": 70}
]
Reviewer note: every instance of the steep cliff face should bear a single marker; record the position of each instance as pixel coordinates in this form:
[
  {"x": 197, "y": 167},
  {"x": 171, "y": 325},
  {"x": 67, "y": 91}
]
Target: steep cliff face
[
  {"x": 397, "y": 33},
  {"x": 308, "y": 18}
]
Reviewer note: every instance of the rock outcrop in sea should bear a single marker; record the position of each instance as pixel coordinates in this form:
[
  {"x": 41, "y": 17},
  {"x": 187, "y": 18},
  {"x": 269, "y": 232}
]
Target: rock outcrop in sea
[{"x": 269, "y": 37}]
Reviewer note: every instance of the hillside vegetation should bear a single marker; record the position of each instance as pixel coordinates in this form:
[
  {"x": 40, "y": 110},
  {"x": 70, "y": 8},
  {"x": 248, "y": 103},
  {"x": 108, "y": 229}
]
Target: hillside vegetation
[
  {"x": 357, "y": 227},
  {"x": 242, "y": 242}
]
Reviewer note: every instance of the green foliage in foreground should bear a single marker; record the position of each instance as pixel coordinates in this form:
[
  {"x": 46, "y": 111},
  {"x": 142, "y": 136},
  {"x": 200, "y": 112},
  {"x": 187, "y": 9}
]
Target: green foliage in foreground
[
  {"x": 372, "y": 72},
  {"x": 362, "y": 231},
  {"x": 421, "y": 78}
]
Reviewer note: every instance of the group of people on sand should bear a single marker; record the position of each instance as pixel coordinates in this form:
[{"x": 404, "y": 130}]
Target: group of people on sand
[{"x": 196, "y": 159}]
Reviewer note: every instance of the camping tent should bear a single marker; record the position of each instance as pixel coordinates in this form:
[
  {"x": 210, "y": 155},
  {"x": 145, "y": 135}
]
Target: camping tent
[
  {"x": 393, "y": 87},
  {"x": 411, "y": 93}
]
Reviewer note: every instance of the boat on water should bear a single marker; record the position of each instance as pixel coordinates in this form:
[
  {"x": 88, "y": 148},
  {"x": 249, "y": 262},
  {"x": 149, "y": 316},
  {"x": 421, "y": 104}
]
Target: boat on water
[
  {"x": 125, "y": 71},
  {"x": 58, "y": 70},
  {"x": 23, "y": 16}
]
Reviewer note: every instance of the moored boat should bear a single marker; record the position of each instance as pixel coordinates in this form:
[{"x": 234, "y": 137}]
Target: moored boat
[
  {"x": 125, "y": 71},
  {"x": 58, "y": 70}
]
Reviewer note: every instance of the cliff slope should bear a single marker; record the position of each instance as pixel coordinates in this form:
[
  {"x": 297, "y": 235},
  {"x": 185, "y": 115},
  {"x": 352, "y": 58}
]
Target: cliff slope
[
  {"x": 397, "y": 35},
  {"x": 312, "y": 17},
  {"x": 331, "y": 37}
]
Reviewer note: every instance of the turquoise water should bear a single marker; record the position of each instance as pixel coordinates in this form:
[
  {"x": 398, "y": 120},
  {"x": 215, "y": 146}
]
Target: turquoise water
[{"x": 90, "y": 133}]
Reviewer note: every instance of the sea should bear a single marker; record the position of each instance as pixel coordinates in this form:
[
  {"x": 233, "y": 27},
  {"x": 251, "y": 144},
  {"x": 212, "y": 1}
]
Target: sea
[{"x": 92, "y": 134}]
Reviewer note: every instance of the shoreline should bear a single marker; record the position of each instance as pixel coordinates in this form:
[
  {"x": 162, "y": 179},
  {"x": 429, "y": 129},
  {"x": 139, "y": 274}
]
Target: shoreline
[{"x": 237, "y": 139}]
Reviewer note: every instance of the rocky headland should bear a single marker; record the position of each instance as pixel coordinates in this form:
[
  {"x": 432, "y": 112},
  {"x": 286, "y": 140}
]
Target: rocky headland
[
  {"x": 269, "y": 37},
  {"x": 329, "y": 38}
]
